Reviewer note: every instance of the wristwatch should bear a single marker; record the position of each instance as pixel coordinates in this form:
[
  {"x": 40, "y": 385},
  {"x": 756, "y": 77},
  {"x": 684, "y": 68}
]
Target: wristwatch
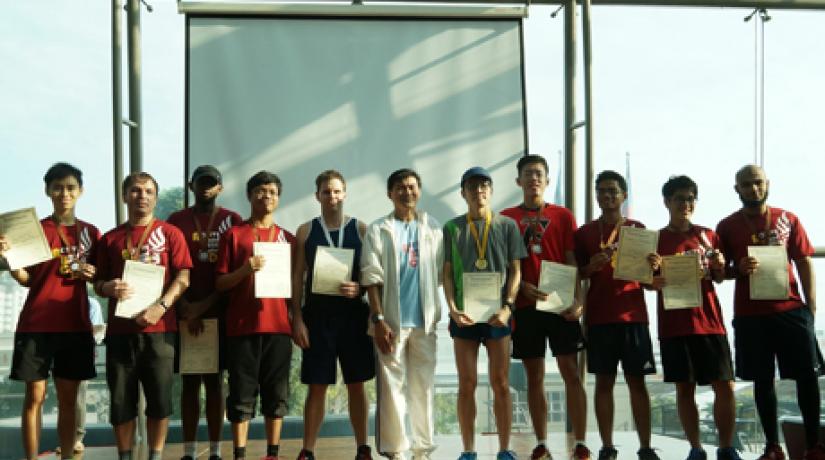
[
  {"x": 376, "y": 317},
  {"x": 164, "y": 305},
  {"x": 508, "y": 305}
]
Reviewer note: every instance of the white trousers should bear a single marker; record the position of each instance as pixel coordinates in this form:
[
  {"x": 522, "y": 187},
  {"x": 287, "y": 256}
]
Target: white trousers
[{"x": 405, "y": 385}]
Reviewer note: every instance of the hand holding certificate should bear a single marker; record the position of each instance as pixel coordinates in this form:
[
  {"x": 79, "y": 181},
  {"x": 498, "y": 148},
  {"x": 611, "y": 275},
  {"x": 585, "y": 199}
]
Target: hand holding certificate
[
  {"x": 684, "y": 282},
  {"x": 146, "y": 283},
  {"x": 273, "y": 280},
  {"x": 770, "y": 280},
  {"x": 559, "y": 282},
  {"x": 631, "y": 259},
  {"x": 199, "y": 353},
  {"x": 482, "y": 295},
  {"x": 25, "y": 238},
  {"x": 333, "y": 266}
]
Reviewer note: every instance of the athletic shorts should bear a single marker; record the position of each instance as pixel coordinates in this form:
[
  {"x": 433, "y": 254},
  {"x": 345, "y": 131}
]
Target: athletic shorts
[
  {"x": 699, "y": 359},
  {"x": 337, "y": 336},
  {"x": 787, "y": 338},
  {"x": 628, "y": 343},
  {"x": 221, "y": 346},
  {"x": 258, "y": 364},
  {"x": 535, "y": 329},
  {"x": 477, "y": 332},
  {"x": 145, "y": 358},
  {"x": 69, "y": 355}
]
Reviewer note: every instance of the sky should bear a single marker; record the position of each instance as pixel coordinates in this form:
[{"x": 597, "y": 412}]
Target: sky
[{"x": 672, "y": 86}]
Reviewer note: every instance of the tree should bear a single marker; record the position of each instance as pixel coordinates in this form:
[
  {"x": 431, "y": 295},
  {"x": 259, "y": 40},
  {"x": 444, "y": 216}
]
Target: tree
[{"x": 169, "y": 201}]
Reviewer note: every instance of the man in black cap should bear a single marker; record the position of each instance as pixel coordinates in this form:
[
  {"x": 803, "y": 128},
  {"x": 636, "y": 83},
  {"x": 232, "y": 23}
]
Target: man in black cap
[{"x": 203, "y": 225}]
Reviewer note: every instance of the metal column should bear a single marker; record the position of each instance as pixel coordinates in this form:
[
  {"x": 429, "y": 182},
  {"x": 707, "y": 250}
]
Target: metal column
[
  {"x": 117, "y": 106},
  {"x": 135, "y": 111},
  {"x": 570, "y": 104}
]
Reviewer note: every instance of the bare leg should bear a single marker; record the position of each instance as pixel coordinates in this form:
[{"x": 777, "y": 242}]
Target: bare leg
[
  {"x": 30, "y": 417},
  {"x": 640, "y": 406},
  {"x": 66, "y": 412},
  {"x": 240, "y": 433},
  {"x": 574, "y": 390},
  {"x": 466, "y": 359},
  {"x": 190, "y": 406},
  {"x": 358, "y": 411},
  {"x": 498, "y": 351},
  {"x": 688, "y": 413},
  {"x": 125, "y": 435},
  {"x": 724, "y": 411},
  {"x": 156, "y": 432},
  {"x": 313, "y": 413},
  {"x": 273, "y": 430},
  {"x": 604, "y": 404},
  {"x": 214, "y": 405},
  {"x": 536, "y": 399}
]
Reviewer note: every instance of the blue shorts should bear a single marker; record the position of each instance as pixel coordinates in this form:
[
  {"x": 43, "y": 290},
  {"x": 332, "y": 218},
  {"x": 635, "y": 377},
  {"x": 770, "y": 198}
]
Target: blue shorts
[{"x": 479, "y": 332}]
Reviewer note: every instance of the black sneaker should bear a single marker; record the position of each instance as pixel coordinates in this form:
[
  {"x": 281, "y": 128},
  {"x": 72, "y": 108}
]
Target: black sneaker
[
  {"x": 214, "y": 457},
  {"x": 647, "y": 453},
  {"x": 608, "y": 453},
  {"x": 364, "y": 453},
  {"x": 305, "y": 455},
  {"x": 187, "y": 457}
]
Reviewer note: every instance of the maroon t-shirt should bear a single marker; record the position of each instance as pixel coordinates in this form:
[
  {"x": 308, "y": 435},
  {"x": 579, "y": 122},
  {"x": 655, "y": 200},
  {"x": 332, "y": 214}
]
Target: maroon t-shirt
[
  {"x": 203, "y": 246},
  {"x": 609, "y": 300},
  {"x": 736, "y": 233},
  {"x": 245, "y": 314},
  {"x": 704, "y": 320},
  {"x": 551, "y": 227},
  {"x": 56, "y": 302},
  {"x": 164, "y": 246}
]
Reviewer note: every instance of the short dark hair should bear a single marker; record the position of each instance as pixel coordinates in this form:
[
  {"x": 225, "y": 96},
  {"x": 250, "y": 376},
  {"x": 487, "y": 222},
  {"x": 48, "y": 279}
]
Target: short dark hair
[
  {"x": 530, "y": 159},
  {"x": 262, "y": 178},
  {"x": 327, "y": 176},
  {"x": 612, "y": 175},
  {"x": 61, "y": 171},
  {"x": 138, "y": 177},
  {"x": 679, "y": 183},
  {"x": 398, "y": 176}
]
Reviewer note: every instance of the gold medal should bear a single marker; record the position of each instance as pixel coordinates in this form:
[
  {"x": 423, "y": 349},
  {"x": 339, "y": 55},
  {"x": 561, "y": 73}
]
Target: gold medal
[
  {"x": 213, "y": 257},
  {"x": 481, "y": 264},
  {"x": 196, "y": 236},
  {"x": 55, "y": 252},
  {"x": 481, "y": 241},
  {"x": 126, "y": 255}
]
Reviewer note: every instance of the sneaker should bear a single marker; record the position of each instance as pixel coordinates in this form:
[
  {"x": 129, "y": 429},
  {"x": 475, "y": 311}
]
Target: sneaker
[
  {"x": 817, "y": 453},
  {"x": 506, "y": 455},
  {"x": 468, "y": 456},
  {"x": 79, "y": 447},
  {"x": 214, "y": 457},
  {"x": 697, "y": 453},
  {"x": 581, "y": 452},
  {"x": 363, "y": 453},
  {"x": 305, "y": 455},
  {"x": 772, "y": 452},
  {"x": 540, "y": 452},
  {"x": 647, "y": 453},
  {"x": 608, "y": 453},
  {"x": 727, "y": 453}
]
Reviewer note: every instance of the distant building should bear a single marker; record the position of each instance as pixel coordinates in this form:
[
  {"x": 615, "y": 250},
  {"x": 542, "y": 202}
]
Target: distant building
[{"x": 12, "y": 297}]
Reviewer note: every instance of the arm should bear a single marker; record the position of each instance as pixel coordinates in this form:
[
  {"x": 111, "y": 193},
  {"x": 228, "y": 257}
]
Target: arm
[
  {"x": 807, "y": 279},
  {"x": 300, "y": 335},
  {"x": 383, "y": 335},
  {"x": 511, "y": 288},
  {"x": 575, "y": 311},
  {"x": 20, "y": 275},
  {"x": 230, "y": 280},
  {"x": 456, "y": 315}
]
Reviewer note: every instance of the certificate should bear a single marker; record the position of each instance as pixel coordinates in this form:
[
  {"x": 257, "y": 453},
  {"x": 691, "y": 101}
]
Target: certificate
[
  {"x": 146, "y": 281},
  {"x": 559, "y": 282},
  {"x": 684, "y": 282},
  {"x": 273, "y": 281},
  {"x": 635, "y": 244},
  {"x": 27, "y": 242},
  {"x": 199, "y": 353},
  {"x": 482, "y": 295},
  {"x": 332, "y": 267},
  {"x": 770, "y": 280}
]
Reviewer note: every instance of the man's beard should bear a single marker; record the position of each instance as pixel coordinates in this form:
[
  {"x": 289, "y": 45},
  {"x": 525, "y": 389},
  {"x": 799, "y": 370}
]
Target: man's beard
[{"x": 753, "y": 203}]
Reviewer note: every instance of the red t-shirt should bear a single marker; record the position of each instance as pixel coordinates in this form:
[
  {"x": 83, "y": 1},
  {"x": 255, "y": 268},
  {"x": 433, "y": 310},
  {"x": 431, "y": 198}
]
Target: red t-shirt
[
  {"x": 56, "y": 302},
  {"x": 736, "y": 235},
  {"x": 609, "y": 300},
  {"x": 164, "y": 246},
  {"x": 706, "y": 320},
  {"x": 203, "y": 246},
  {"x": 245, "y": 314},
  {"x": 552, "y": 230}
]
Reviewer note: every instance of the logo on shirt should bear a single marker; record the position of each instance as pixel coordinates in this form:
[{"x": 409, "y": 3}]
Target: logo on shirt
[
  {"x": 155, "y": 246},
  {"x": 410, "y": 250}
]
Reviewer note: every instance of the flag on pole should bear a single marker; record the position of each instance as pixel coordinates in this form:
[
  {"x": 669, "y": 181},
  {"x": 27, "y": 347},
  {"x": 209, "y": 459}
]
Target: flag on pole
[
  {"x": 558, "y": 198},
  {"x": 627, "y": 206}
]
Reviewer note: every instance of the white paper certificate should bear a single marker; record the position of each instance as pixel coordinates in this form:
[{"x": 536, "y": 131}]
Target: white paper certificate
[
  {"x": 273, "y": 281},
  {"x": 631, "y": 259},
  {"x": 559, "y": 282},
  {"x": 146, "y": 281},
  {"x": 27, "y": 242},
  {"x": 199, "y": 353},
  {"x": 770, "y": 280},
  {"x": 333, "y": 266},
  {"x": 482, "y": 295},
  {"x": 683, "y": 288}
]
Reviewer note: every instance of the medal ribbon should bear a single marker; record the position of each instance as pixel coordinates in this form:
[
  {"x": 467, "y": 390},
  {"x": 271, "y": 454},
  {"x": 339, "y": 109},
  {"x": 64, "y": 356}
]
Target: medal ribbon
[
  {"x": 64, "y": 240},
  {"x": 481, "y": 244},
  {"x": 752, "y": 228},
  {"x": 204, "y": 242},
  {"x": 340, "y": 231},
  {"x": 613, "y": 234},
  {"x": 129, "y": 246}
]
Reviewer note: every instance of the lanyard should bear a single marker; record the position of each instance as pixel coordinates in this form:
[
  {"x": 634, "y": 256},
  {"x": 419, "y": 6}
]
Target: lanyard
[
  {"x": 481, "y": 244},
  {"x": 271, "y": 237},
  {"x": 613, "y": 234},
  {"x": 204, "y": 241},
  {"x": 130, "y": 249},
  {"x": 64, "y": 240},
  {"x": 340, "y": 231},
  {"x": 760, "y": 238}
]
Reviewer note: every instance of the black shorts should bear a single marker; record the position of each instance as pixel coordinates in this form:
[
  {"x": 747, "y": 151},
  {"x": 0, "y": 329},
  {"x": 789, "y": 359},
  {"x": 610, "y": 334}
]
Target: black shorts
[
  {"x": 145, "y": 358},
  {"x": 337, "y": 335},
  {"x": 786, "y": 338},
  {"x": 69, "y": 355},
  {"x": 533, "y": 328},
  {"x": 258, "y": 364},
  {"x": 628, "y": 343},
  {"x": 699, "y": 359}
]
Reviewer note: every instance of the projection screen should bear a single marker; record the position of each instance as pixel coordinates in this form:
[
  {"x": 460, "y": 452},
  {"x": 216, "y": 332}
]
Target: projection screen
[{"x": 297, "y": 96}]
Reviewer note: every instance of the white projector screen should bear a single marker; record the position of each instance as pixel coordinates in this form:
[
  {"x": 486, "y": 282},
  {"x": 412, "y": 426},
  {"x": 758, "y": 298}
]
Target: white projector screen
[{"x": 297, "y": 96}]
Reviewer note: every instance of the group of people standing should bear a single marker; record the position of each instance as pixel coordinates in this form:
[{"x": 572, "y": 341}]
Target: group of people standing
[{"x": 382, "y": 322}]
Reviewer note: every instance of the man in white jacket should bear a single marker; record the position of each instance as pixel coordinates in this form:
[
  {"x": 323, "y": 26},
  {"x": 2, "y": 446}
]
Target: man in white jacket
[{"x": 401, "y": 266}]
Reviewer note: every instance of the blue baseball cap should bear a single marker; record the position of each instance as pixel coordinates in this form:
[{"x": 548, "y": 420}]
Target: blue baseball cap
[{"x": 476, "y": 171}]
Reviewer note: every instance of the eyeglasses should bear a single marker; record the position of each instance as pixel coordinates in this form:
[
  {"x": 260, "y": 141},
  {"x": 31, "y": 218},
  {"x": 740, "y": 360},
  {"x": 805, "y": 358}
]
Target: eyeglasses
[{"x": 608, "y": 191}]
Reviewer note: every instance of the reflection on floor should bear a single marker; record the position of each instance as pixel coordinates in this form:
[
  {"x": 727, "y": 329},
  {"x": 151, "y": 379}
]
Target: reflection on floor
[{"x": 449, "y": 448}]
